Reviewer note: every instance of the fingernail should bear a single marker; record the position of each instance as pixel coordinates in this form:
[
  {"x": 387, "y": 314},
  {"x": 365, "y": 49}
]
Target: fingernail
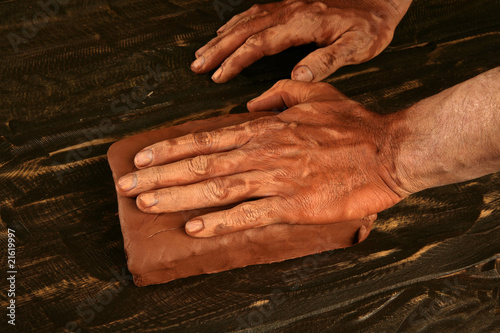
[
  {"x": 128, "y": 182},
  {"x": 198, "y": 63},
  {"x": 200, "y": 51},
  {"x": 303, "y": 73},
  {"x": 144, "y": 157},
  {"x": 221, "y": 30},
  {"x": 362, "y": 233},
  {"x": 194, "y": 226},
  {"x": 252, "y": 100},
  {"x": 148, "y": 199},
  {"x": 217, "y": 74}
]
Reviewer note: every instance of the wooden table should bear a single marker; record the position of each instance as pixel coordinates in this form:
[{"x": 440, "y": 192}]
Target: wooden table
[{"x": 75, "y": 84}]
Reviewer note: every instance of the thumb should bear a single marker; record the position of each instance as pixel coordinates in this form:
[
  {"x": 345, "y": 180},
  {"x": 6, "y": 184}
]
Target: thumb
[
  {"x": 325, "y": 61},
  {"x": 286, "y": 94}
]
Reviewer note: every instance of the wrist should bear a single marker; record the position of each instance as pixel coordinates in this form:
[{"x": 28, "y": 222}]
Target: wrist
[
  {"x": 450, "y": 137},
  {"x": 416, "y": 162},
  {"x": 394, "y": 156},
  {"x": 425, "y": 155}
]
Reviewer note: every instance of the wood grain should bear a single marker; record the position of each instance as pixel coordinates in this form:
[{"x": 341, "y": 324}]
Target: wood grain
[{"x": 431, "y": 264}]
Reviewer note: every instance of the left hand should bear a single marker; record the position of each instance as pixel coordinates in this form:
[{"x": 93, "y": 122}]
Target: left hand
[
  {"x": 348, "y": 32},
  {"x": 326, "y": 159}
]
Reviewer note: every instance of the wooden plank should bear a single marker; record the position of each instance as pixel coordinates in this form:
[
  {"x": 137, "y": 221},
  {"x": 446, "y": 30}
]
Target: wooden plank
[{"x": 431, "y": 263}]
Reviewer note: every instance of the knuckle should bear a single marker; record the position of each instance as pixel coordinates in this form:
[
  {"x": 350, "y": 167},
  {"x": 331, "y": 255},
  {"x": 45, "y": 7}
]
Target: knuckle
[
  {"x": 311, "y": 11},
  {"x": 299, "y": 10},
  {"x": 324, "y": 86},
  {"x": 250, "y": 213},
  {"x": 371, "y": 25},
  {"x": 356, "y": 51},
  {"x": 327, "y": 60},
  {"x": 203, "y": 141},
  {"x": 243, "y": 26},
  {"x": 280, "y": 85},
  {"x": 272, "y": 151},
  {"x": 266, "y": 123},
  {"x": 373, "y": 28},
  {"x": 199, "y": 165},
  {"x": 256, "y": 7},
  {"x": 296, "y": 3},
  {"x": 319, "y": 6},
  {"x": 245, "y": 215},
  {"x": 255, "y": 41},
  {"x": 329, "y": 90},
  {"x": 158, "y": 176},
  {"x": 285, "y": 175},
  {"x": 235, "y": 18},
  {"x": 215, "y": 189}
]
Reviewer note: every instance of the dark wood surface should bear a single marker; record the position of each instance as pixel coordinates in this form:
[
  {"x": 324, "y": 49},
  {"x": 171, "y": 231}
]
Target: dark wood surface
[{"x": 431, "y": 264}]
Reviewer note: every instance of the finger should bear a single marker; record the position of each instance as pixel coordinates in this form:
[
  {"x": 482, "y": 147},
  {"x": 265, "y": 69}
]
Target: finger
[
  {"x": 214, "y": 192},
  {"x": 289, "y": 93},
  {"x": 247, "y": 215},
  {"x": 222, "y": 46},
  {"x": 269, "y": 103},
  {"x": 325, "y": 61},
  {"x": 187, "y": 171},
  {"x": 363, "y": 231},
  {"x": 189, "y": 145},
  {"x": 255, "y": 9},
  {"x": 204, "y": 143},
  {"x": 267, "y": 42}
]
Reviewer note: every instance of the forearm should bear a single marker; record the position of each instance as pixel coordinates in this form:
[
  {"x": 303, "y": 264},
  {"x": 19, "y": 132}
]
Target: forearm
[{"x": 451, "y": 137}]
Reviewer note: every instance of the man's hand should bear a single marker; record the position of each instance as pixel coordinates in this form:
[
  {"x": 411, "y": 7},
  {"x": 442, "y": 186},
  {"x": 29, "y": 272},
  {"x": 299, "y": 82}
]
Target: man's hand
[
  {"x": 325, "y": 159},
  {"x": 349, "y": 32}
]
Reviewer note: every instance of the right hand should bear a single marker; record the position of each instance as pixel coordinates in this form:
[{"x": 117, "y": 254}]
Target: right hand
[
  {"x": 349, "y": 32},
  {"x": 325, "y": 159}
]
